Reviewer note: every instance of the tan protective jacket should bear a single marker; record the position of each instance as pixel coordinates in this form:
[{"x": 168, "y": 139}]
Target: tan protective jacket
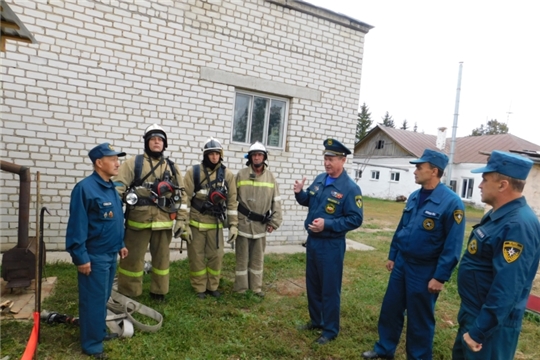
[
  {"x": 208, "y": 221},
  {"x": 258, "y": 194},
  {"x": 149, "y": 216}
]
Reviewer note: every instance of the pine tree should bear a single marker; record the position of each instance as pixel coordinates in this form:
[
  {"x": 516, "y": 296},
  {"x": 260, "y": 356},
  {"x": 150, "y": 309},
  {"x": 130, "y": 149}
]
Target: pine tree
[
  {"x": 404, "y": 126},
  {"x": 388, "y": 121},
  {"x": 364, "y": 123}
]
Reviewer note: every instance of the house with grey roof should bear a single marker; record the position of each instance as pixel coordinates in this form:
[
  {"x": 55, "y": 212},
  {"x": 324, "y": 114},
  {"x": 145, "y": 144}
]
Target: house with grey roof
[{"x": 383, "y": 169}]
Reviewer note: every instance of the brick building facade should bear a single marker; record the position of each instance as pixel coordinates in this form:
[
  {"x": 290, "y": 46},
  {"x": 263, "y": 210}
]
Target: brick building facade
[{"x": 280, "y": 71}]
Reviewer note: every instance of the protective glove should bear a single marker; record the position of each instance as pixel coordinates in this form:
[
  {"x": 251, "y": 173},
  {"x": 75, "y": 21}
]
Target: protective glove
[
  {"x": 233, "y": 234},
  {"x": 186, "y": 235},
  {"x": 178, "y": 228}
]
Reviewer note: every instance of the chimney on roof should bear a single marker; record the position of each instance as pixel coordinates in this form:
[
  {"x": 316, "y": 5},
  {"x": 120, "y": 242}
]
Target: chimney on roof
[{"x": 441, "y": 138}]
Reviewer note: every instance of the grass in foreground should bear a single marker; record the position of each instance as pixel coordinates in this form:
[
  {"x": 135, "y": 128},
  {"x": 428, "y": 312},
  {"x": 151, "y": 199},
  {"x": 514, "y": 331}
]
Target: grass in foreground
[{"x": 246, "y": 327}]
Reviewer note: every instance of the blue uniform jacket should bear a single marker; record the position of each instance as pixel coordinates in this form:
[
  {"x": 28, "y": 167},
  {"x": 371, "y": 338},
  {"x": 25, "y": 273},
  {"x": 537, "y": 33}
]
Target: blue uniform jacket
[
  {"x": 96, "y": 221},
  {"x": 431, "y": 232},
  {"x": 339, "y": 204},
  {"x": 496, "y": 272}
]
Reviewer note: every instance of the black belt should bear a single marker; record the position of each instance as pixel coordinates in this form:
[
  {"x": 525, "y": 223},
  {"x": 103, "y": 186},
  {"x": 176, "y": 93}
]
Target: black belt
[
  {"x": 144, "y": 201},
  {"x": 250, "y": 214},
  {"x": 202, "y": 206}
]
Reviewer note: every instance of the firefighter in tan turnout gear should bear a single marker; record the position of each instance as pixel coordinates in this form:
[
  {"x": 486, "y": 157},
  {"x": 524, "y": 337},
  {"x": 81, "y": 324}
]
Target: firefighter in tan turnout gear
[
  {"x": 211, "y": 192},
  {"x": 151, "y": 185},
  {"x": 259, "y": 212}
]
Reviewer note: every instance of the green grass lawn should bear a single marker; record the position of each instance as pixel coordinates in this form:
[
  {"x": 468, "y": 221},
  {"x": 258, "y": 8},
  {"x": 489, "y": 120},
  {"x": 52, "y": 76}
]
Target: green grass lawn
[{"x": 247, "y": 327}]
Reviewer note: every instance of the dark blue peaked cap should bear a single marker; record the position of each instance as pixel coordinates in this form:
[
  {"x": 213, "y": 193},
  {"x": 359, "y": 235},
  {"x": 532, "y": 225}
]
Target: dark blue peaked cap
[
  {"x": 333, "y": 147},
  {"x": 512, "y": 165},
  {"x": 102, "y": 150},
  {"x": 433, "y": 157}
]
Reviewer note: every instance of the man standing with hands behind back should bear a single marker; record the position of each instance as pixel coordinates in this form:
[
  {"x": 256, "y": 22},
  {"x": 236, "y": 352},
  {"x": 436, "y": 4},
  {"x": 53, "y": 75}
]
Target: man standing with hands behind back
[
  {"x": 335, "y": 207},
  {"x": 497, "y": 270},
  {"x": 94, "y": 238},
  {"x": 424, "y": 251}
]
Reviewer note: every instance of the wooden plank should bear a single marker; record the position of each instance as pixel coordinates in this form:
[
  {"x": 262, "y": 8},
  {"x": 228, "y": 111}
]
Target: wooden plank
[
  {"x": 10, "y": 37},
  {"x": 9, "y": 25}
]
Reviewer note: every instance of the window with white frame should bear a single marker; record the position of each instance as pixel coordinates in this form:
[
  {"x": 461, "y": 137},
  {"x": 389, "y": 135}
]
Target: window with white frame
[
  {"x": 394, "y": 176},
  {"x": 467, "y": 186},
  {"x": 358, "y": 174},
  {"x": 374, "y": 175},
  {"x": 259, "y": 117},
  {"x": 453, "y": 185}
]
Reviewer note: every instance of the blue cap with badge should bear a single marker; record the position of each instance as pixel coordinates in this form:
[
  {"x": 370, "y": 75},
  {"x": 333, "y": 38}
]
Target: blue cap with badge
[
  {"x": 433, "y": 157},
  {"x": 333, "y": 147},
  {"x": 512, "y": 165},
  {"x": 102, "y": 150}
]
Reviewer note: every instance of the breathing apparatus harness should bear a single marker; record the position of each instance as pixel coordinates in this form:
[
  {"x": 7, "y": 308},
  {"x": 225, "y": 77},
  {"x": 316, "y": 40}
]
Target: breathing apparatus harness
[
  {"x": 163, "y": 192},
  {"x": 215, "y": 203}
]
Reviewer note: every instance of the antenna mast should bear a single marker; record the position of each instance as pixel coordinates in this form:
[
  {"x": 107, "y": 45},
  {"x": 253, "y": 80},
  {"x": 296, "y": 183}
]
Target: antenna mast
[{"x": 454, "y": 128}]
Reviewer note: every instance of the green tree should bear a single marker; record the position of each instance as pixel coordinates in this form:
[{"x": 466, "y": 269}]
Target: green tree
[
  {"x": 364, "y": 122},
  {"x": 404, "y": 126},
  {"x": 415, "y": 127},
  {"x": 388, "y": 121},
  {"x": 493, "y": 127}
]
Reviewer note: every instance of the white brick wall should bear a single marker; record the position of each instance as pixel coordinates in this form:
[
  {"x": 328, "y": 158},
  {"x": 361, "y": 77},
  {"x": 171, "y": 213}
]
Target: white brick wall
[{"x": 104, "y": 70}]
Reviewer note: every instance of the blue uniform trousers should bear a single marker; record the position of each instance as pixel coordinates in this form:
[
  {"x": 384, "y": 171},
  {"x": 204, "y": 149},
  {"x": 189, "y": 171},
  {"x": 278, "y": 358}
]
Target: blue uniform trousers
[
  {"x": 502, "y": 342},
  {"x": 324, "y": 272},
  {"x": 408, "y": 291},
  {"x": 94, "y": 292}
]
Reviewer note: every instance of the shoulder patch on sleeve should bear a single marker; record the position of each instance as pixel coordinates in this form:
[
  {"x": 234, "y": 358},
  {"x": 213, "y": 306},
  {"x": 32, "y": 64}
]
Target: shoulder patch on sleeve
[
  {"x": 458, "y": 216},
  {"x": 359, "y": 201},
  {"x": 511, "y": 251}
]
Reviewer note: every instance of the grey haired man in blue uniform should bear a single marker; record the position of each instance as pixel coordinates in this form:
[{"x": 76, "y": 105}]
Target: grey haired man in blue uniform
[
  {"x": 424, "y": 251},
  {"x": 335, "y": 207},
  {"x": 94, "y": 238},
  {"x": 497, "y": 270}
]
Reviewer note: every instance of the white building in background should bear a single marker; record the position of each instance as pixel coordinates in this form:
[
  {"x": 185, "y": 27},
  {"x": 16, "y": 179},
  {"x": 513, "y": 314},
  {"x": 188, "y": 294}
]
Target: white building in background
[
  {"x": 284, "y": 72},
  {"x": 383, "y": 169}
]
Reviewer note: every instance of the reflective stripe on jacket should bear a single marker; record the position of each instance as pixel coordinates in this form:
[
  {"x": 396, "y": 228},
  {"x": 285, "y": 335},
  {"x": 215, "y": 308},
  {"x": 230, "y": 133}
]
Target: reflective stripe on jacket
[
  {"x": 149, "y": 217},
  {"x": 257, "y": 194}
]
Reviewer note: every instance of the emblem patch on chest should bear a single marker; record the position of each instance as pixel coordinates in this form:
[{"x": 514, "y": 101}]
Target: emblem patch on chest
[
  {"x": 458, "y": 216},
  {"x": 429, "y": 224},
  {"x": 336, "y": 194},
  {"x": 511, "y": 251},
  {"x": 330, "y": 208},
  {"x": 473, "y": 247}
]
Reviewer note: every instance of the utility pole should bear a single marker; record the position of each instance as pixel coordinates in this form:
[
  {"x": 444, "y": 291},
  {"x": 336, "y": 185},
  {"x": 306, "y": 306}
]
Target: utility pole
[{"x": 454, "y": 128}]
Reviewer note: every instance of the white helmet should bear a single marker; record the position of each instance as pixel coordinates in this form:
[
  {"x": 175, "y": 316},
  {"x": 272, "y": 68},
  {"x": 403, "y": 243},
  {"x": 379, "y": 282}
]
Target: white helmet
[
  {"x": 155, "y": 130},
  {"x": 212, "y": 145},
  {"x": 257, "y": 147}
]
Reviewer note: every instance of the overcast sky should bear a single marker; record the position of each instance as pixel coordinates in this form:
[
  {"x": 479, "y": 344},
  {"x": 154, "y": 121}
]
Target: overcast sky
[{"x": 412, "y": 55}]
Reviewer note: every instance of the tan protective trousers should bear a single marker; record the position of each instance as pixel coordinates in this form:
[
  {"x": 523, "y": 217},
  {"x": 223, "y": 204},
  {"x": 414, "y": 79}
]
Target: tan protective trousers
[
  {"x": 205, "y": 259},
  {"x": 249, "y": 264},
  {"x": 130, "y": 270}
]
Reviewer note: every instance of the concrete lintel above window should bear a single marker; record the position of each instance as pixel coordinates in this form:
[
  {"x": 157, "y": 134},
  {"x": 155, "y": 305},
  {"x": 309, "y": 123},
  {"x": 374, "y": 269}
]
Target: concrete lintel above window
[{"x": 257, "y": 84}]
